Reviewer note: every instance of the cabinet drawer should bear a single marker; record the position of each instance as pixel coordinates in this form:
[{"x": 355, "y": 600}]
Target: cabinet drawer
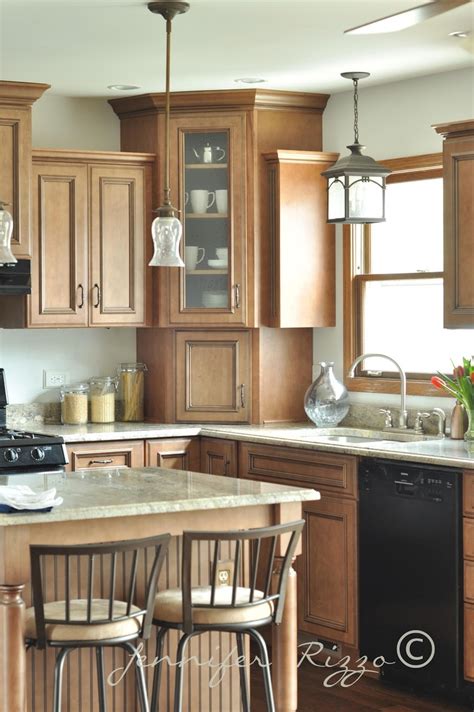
[
  {"x": 174, "y": 453},
  {"x": 122, "y": 453},
  {"x": 468, "y": 641},
  {"x": 468, "y": 494},
  {"x": 323, "y": 471},
  {"x": 468, "y": 538},
  {"x": 219, "y": 457},
  {"x": 469, "y": 581}
]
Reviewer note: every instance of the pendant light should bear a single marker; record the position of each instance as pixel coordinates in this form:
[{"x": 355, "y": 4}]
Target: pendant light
[
  {"x": 356, "y": 183},
  {"x": 6, "y": 229},
  {"x": 166, "y": 229}
]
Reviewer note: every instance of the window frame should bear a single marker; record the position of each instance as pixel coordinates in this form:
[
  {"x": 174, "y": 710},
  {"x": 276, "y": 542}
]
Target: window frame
[{"x": 403, "y": 169}]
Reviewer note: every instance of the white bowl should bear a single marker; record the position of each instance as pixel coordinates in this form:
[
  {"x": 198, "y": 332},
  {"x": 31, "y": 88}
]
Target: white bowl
[
  {"x": 222, "y": 253},
  {"x": 217, "y": 264},
  {"x": 216, "y": 298}
]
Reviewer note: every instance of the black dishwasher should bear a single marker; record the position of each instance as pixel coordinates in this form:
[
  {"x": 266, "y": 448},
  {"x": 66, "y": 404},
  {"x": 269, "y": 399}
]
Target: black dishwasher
[{"x": 410, "y": 574}]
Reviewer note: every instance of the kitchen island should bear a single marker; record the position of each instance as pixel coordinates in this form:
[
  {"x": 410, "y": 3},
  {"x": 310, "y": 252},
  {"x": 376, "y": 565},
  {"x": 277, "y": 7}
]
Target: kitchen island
[{"x": 113, "y": 504}]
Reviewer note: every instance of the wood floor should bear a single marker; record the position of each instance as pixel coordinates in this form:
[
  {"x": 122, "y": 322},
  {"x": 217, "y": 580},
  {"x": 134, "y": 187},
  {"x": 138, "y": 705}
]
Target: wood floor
[{"x": 366, "y": 695}]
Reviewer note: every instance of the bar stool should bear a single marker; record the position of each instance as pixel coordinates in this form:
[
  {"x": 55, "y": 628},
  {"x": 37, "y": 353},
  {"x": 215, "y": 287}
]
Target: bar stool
[
  {"x": 237, "y": 600},
  {"x": 97, "y": 618}
]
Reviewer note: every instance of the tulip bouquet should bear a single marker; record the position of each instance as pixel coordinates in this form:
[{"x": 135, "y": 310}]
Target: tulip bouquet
[{"x": 461, "y": 387}]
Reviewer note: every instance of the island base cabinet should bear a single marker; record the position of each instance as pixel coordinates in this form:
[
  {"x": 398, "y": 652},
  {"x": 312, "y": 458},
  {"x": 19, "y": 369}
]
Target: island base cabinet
[
  {"x": 327, "y": 594},
  {"x": 102, "y": 455}
]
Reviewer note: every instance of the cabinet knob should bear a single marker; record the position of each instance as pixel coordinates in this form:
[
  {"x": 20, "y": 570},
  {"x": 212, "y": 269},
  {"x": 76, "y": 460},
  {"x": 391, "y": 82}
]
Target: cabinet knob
[{"x": 97, "y": 301}]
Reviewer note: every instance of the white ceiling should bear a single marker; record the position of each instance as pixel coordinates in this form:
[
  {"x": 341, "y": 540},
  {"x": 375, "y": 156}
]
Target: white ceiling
[{"x": 81, "y": 46}]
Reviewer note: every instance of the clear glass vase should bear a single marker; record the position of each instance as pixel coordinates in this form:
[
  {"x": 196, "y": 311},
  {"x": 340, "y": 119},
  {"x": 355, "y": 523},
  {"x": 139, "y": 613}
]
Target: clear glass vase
[
  {"x": 326, "y": 401},
  {"x": 469, "y": 434}
]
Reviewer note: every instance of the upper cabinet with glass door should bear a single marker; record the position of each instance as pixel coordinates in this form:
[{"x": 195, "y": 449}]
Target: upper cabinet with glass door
[{"x": 207, "y": 174}]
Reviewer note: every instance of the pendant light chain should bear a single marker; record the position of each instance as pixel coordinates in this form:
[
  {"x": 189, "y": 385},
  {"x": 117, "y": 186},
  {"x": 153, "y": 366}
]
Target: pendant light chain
[
  {"x": 167, "y": 115},
  {"x": 356, "y": 110}
]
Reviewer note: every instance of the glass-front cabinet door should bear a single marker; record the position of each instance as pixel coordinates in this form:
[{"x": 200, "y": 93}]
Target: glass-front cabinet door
[{"x": 208, "y": 170}]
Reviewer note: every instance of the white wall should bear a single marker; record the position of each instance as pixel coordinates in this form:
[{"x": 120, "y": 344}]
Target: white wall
[
  {"x": 394, "y": 121},
  {"x": 64, "y": 122},
  {"x": 25, "y": 353},
  {"x": 88, "y": 124}
]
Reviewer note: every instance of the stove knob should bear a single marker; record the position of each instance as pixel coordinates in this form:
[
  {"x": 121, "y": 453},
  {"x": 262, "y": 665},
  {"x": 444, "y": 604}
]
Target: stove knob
[
  {"x": 10, "y": 455},
  {"x": 37, "y": 454}
]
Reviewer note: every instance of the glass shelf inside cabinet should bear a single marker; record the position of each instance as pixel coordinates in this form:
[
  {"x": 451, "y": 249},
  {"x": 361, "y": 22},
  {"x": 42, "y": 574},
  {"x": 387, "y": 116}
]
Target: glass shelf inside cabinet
[{"x": 207, "y": 220}]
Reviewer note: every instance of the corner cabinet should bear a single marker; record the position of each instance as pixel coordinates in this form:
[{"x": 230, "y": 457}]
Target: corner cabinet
[
  {"x": 91, "y": 214},
  {"x": 16, "y": 99},
  {"x": 458, "y": 179}
]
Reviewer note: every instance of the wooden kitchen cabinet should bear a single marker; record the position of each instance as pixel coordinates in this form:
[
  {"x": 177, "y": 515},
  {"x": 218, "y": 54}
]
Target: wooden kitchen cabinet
[
  {"x": 91, "y": 214},
  {"x": 302, "y": 279},
  {"x": 458, "y": 182},
  {"x": 327, "y": 568},
  {"x": 16, "y": 99},
  {"x": 102, "y": 455},
  {"x": 174, "y": 453},
  {"x": 219, "y": 457}
]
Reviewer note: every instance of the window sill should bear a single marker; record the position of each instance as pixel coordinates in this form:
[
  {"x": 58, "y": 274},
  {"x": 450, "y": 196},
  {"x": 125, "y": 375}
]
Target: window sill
[{"x": 392, "y": 385}]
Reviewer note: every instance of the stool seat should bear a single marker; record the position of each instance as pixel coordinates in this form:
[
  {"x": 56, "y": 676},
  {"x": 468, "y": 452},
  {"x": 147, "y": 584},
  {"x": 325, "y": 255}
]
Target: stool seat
[
  {"x": 85, "y": 631},
  {"x": 169, "y": 606}
]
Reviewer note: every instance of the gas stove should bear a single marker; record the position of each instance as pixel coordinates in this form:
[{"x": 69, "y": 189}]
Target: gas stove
[{"x": 23, "y": 452}]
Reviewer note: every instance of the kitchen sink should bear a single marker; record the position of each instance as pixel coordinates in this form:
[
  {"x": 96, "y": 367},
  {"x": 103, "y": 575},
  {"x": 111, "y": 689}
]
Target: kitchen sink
[{"x": 359, "y": 435}]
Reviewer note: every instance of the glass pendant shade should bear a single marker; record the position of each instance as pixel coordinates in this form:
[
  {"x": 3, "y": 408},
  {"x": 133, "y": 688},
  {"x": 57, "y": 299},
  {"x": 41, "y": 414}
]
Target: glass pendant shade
[
  {"x": 166, "y": 233},
  {"x": 6, "y": 229}
]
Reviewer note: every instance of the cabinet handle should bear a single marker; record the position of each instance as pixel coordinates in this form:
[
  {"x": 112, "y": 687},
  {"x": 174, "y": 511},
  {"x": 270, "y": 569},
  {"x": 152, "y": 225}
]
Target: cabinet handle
[
  {"x": 242, "y": 395},
  {"x": 101, "y": 462},
  {"x": 237, "y": 296},
  {"x": 81, "y": 303},
  {"x": 97, "y": 302},
  {"x": 226, "y": 464}
]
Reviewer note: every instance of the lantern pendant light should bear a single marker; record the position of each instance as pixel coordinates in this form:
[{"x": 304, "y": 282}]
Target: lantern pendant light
[
  {"x": 356, "y": 183},
  {"x": 166, "y": 229},
  {"x": 6, "y": 229}
]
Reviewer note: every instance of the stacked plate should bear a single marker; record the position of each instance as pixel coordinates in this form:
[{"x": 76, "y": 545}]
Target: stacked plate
[{"x": 217, "y": 264}]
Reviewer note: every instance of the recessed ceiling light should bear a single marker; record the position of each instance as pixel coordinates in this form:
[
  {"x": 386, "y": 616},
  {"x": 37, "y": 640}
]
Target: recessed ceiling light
[
  {"x": 123, "y": 87},
  {"x": 250, "y": 80},
  {"x": 460, "y": 33}
]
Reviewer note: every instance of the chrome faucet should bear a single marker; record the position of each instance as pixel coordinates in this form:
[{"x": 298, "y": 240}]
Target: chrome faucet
[{"x": 403, "y": 384}]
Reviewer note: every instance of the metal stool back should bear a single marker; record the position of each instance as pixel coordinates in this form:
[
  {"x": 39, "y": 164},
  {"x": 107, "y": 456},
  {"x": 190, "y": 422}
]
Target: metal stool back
[
  {"x": 250, "y": 557},
  {"x": 106, "y": 597}
]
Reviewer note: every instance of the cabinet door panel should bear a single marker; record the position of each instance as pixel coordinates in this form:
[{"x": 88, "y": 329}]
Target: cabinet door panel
[
  {"x": 117, "y": 243},
  {"x": 15, "y": 174},
  {"x": 59, "y": 281},
  {"x": 209, "y": 293},
  {"x": 213, "y": 376},
  {"x": 174, "y": 453},
  {"x": 122, "y": 453},
  {"x": 219, "y": 457},
  {"x": 328, "y": 571}
]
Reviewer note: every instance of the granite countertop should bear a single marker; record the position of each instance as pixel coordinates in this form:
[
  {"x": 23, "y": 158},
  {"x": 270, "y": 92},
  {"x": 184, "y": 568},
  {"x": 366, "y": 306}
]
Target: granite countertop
[
  {"x": 445, "y": 452},
  {"x": 122, "y": 492}
]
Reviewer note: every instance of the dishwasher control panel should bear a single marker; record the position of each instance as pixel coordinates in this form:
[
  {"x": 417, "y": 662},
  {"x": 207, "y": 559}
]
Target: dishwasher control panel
[{"x": 399, "y": 480}]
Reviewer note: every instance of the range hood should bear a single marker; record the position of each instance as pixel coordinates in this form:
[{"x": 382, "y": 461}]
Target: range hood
[{"x": 15, "y": 278}]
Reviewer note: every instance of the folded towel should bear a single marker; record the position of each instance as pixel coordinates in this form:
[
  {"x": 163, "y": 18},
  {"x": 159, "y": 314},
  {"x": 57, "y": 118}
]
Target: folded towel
[{"x": 24, "y": 498}]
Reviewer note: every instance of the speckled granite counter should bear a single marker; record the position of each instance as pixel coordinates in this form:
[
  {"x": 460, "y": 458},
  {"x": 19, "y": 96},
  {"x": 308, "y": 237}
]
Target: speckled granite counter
[
  {"x": 446, "y": 452},
  {"x": 122, "y": 492}
]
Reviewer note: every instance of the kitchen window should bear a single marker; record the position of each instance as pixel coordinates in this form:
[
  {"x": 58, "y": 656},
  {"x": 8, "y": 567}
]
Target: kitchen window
[{"x": 393, "y": 285}]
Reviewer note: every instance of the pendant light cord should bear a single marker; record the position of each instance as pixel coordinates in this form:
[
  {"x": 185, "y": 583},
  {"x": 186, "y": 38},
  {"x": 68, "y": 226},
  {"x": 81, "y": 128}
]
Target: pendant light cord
[
  {"x": 356, "y": 110},
  {"x": 166, "y": 190}
]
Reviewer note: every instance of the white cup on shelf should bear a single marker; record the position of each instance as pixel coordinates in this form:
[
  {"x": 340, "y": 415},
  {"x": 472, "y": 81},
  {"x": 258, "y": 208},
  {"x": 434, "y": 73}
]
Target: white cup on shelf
[
  {"x": 221, "y": 201},
  {"x": 201, "y": 200},
  {"x": 191, "y": 256},
  {"x": 222, "y": 254}
]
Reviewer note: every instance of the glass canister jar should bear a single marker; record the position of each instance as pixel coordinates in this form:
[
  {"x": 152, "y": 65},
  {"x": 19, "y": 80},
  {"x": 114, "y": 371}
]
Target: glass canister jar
[
  {"x": 102, "y": 399},
  {"x": 74, "y": 402},
  {"x": 132, "y": 391}
]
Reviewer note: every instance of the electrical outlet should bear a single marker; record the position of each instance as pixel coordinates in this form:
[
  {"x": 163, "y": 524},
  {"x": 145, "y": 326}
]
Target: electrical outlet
[{"x": 55, "y": 379}]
